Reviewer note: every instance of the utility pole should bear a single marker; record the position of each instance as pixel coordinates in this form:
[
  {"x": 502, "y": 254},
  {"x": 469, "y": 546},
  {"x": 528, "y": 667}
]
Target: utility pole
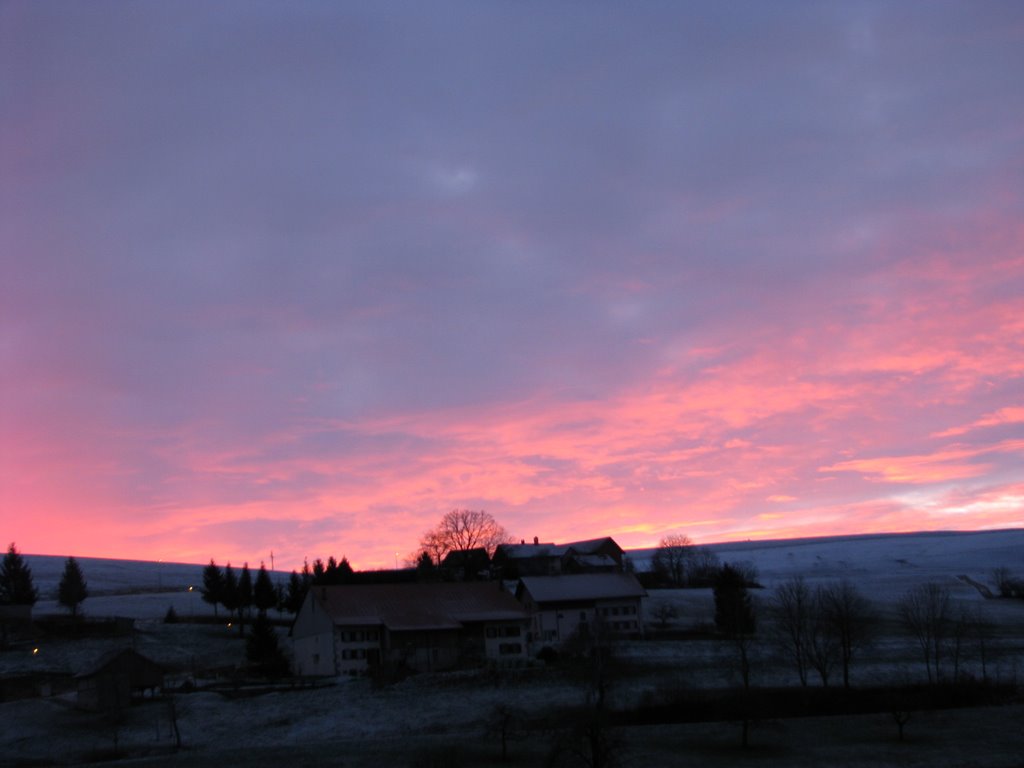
[{"x": 271, "y": 559}]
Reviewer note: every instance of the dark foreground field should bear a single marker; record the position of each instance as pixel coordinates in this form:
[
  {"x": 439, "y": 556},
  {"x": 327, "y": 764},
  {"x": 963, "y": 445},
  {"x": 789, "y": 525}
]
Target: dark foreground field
[{"x": 967, "y": 737}]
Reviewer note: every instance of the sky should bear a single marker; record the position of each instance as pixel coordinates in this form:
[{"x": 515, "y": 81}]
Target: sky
[{"x": 301, "y": 277}]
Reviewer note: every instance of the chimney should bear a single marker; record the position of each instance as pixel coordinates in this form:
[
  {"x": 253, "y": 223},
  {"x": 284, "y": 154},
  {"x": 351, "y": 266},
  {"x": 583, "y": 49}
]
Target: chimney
[{"x": 536, "y": 541}]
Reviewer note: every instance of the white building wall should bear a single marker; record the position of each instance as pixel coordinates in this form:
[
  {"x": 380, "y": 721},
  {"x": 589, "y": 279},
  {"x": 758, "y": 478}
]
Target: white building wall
[
  {"x": 356, "y": 647},
  {"x": 314, "y": 655},
  {"x": 505, "y": 642},
  {"x": 313, "y": 640}
]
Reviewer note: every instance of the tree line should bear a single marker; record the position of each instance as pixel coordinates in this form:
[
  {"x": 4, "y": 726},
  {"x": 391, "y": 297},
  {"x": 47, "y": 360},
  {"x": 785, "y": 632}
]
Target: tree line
[
  {"x": 17, "y": 587},
  {"x": 821, "y": 630}
]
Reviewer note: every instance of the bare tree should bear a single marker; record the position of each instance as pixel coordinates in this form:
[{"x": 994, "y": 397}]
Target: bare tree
[
  {"x": 926, "y": 614},
  {"x": 704, "y": 567},
  {"x": 505, "y": 723},
  {"x": 463, "y": 529},
  {"x": 822, "y": 643},
  {"x": 663, "y": 613},
  {"x": 1007, "y": 584},
  {"x": 672, "y": 559},
  {"x": 848, "y": 617},
  {"x": 792, "y": 611}
]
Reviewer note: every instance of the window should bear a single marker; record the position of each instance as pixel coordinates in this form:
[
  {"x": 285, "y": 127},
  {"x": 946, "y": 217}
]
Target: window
[
  {"x": 507, "y": 649},
  {"x": 492, "y": 632}
]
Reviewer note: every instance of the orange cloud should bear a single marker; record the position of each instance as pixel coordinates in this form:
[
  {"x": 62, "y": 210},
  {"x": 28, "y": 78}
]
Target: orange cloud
[
  {"x": 1004, "y": 416},
  {"x": 938, "y": 467}
]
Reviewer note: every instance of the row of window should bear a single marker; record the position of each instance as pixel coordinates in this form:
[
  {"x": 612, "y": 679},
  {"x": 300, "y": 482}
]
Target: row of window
[
  {"x": 360, "y": 636},
  {"x": 349, "y": 654},
  {"x": 626, "y": 610},
  {"x": 507, "y": 649},
  {"x": 508, "y": 631}
]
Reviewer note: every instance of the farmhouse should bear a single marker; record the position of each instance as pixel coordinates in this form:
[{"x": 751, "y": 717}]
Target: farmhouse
[
  {"x": 564, "y": 606},
  {"x": 352, "y": 629},
  {"x": 602, "y": 555}
]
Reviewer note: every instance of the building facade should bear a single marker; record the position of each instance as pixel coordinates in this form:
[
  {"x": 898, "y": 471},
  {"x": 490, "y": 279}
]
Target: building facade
[{"x": 355, "y": 629}]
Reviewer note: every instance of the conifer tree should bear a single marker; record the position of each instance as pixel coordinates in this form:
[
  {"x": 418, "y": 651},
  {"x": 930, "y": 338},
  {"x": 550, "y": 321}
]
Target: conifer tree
[
  {"x": 734, "y": 615},
  {"x": 319, "y": 569},
  {"x": 73, "y": 589},
  {"x": 264, "y": 596},
  {"x": 296, "y": 593},
  {"x": 229, "y": 595},
  {"x": 213, "y": 585},
  {"x": 16, "y": 586},
  {"x": 244, "y": 597},
  {"x": 736, "y": 619},
  {"x": 263, "y": 650}
]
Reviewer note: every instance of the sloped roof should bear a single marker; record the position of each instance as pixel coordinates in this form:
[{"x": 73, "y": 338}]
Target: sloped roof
[
  {"x": 586, "y": 547},
  {"x": 520, "y": 551},
  {"x": 466, "y": 558},
  {"x": 590, "y": 546},
  {"x": 112, "y": 657},
  {"x": 583, "y": 586},
  {"x": 597, "y": 561},
  {"x": 439, "y": 605}
]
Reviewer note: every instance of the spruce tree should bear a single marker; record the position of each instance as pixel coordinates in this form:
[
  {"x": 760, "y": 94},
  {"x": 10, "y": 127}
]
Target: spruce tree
[
  {"x": 735, "y": 617},
  {"x": 734, "y": 610},
  {"x": 296, "y": 594},
  {"x": 263, "y": 650},
  {"x": 73, "y": 589},
  {"x": 244, "y": 597},
  {"x": 264, "y": 596},
  {"x": 213, "y": 585},
  {"x": 16, "y": 586},
  {"x": 229, "y": 595}
]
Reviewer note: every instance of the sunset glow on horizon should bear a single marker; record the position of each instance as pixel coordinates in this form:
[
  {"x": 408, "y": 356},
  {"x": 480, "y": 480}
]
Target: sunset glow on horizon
[{"x": 302, "y": 278}]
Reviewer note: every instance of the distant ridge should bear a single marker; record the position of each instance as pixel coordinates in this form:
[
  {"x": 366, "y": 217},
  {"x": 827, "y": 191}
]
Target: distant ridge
[
  {"x": 858, "y": 537},
  {"x": 753, "y": 545}
]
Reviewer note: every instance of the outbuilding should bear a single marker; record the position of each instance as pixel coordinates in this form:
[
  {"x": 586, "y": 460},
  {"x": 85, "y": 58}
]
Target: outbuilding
[{"x": 116, "y": 679}]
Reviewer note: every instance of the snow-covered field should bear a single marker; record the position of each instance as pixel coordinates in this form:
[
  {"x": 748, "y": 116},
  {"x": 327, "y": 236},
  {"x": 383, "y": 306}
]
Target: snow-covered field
[
  {"x": 883, "y": 565},
  {"x": 353, "y": 723}
]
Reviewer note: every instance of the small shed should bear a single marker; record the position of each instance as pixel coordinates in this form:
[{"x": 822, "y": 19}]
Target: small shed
[{"x": 116, "y": 678}]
